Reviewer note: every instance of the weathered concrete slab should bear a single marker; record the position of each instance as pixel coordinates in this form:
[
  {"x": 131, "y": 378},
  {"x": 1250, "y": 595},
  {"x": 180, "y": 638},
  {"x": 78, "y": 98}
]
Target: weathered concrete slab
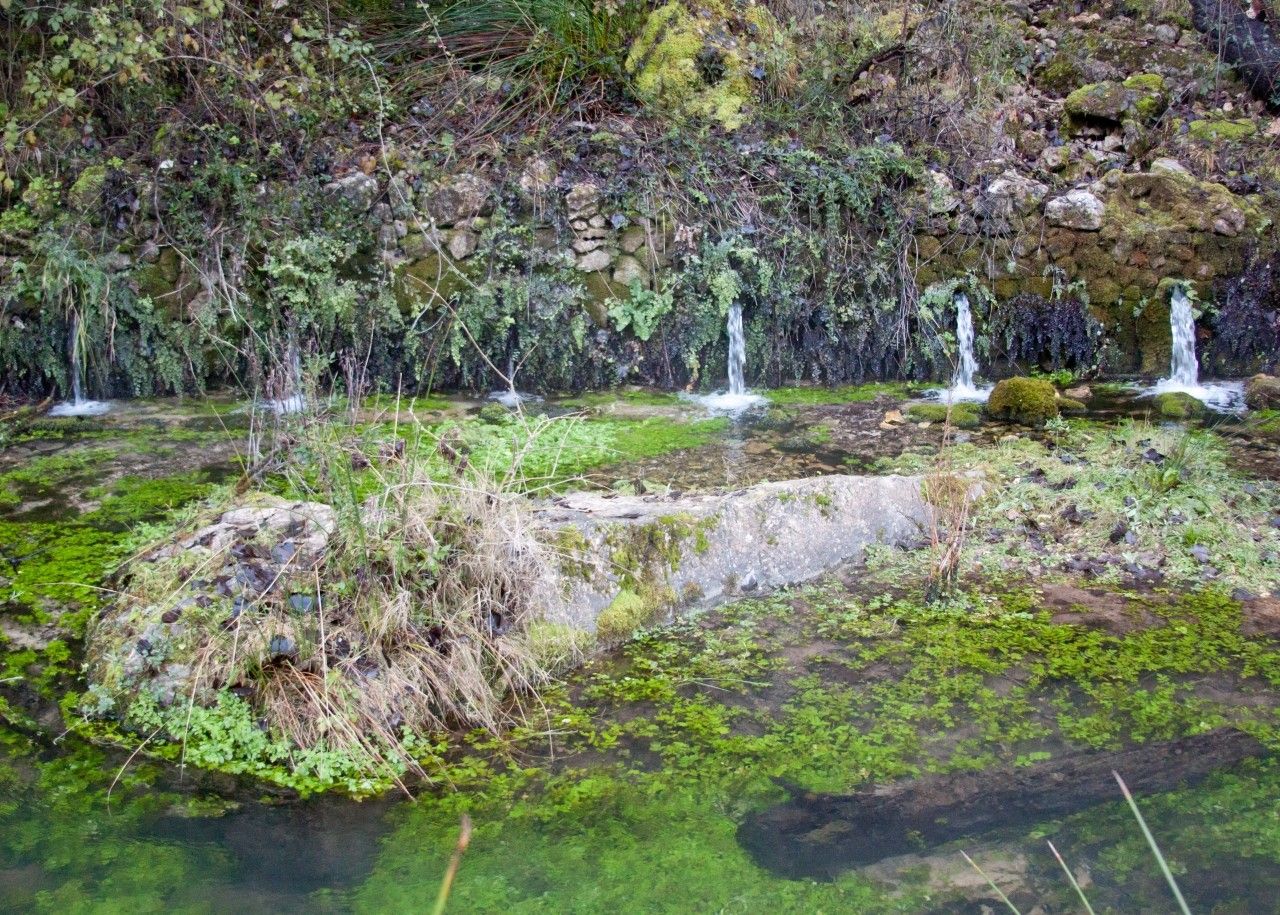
[{"x": 678, "y": 552}]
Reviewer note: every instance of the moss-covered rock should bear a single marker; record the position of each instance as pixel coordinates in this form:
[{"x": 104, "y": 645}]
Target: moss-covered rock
[
  {"x": 694, "y": 59},
  {"x": 1215, "y": 130},
  {"x": 628, "y": 612},
  {"x": 1029, "y": 401},
  {"x": 1178, "y": 405},
  {"x": 1141, "y": 98},
  {"x": 1262, "y": 392},
  {"x": 963, "y": 415},
  {"x": 86, "y": 194}
]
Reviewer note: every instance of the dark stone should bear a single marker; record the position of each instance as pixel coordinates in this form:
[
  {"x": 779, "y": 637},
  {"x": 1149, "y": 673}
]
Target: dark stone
[
  {"x": 282, "y": 648},
  {"x": 303, "y": 604}
]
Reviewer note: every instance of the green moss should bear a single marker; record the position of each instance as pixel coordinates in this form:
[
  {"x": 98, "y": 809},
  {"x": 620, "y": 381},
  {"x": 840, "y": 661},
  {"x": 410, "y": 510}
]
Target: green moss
[
  {"x": 1177, "y": 405},
  {"x": 688, "y": 62},
  {"x": 86, "y": 194},
  {"x": 1212, "y": 131},
  {"x": 638, "y": 398},
  {"x": 627, "y": 613},
  {"x": 858, "y": 393},
  {"x": 963, "y": 415},
  {"x": 1029, "y": 401}
]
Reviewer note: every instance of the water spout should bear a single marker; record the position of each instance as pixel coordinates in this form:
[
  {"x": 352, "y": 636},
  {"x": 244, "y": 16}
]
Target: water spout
[
  {"x": 737, "y": 352},
  {"x": 1184, "y": 366},
  {"x": 77, "y": 405},
  {"x": 737, "y": 398},
  {"x": 963, "y": 384}
]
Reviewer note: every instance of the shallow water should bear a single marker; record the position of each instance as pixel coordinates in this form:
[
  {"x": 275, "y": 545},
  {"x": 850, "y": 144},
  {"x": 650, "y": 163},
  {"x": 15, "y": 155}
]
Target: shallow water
[{"x": 641, "y": 817}]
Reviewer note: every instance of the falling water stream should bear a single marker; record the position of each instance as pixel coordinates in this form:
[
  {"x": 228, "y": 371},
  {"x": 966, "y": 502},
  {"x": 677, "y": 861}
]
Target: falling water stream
[
  {"x": 1184, "y": 366},
  {"x": 737, "y": 398},
  {"x": 963, "y": 386},
  {"x": 77, "y": 405}
]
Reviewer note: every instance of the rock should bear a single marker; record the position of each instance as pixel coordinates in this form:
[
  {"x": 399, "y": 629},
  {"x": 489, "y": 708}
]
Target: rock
[
  {"x": 1081, "y": 392},
  {"x": 1141, "y": 97},
  {"x": 628, "y": 270},
  {"x": 942, "y": 194},
  {"x": 1055, "y": 158},
  {"x": 356, "y": 190},
  {"x": 1078, "y": 209},
  {"x": 537, "y": 177},
  {"x": 1262, "y": 392},
  {"x": 464, "y": 196},
  {"x": 463, "y": 244},
  {"x": 400, "y": 197},
  {"x": 1169, "y": 167},
  {"x": 1169, "y": 34},
  {"x": 633, "y": 238},
  {"x": 582, "y": 200},
  {"x": 1011, "y": 194},
  {"x": 599, "y": 259},
  {"x": 1178, "y": 405},
  {"x": 1028, "y": 401},
  {"x": 586, "y": 245}
]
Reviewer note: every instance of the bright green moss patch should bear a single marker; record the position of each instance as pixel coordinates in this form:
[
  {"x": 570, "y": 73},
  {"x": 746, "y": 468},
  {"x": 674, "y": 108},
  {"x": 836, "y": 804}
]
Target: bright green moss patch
[
  {"x": 639, "y": 398},
  {"x": 857, "y": 393},
  {"x": 1228, "y": 130},
  {"x": 1029, "y": 401},
  {"x": 962, "y": 415}
]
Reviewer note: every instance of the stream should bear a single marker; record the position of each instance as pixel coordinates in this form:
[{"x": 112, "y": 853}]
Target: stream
[{"x": 626, "y": 793}]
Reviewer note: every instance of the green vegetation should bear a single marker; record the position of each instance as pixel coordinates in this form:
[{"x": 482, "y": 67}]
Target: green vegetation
[
  {"x": 857, "y": 393},
  {"x": 960, "y": 415},
  {"x": 1028, "y": 401},
  {"x": 1177, "y": 405}
]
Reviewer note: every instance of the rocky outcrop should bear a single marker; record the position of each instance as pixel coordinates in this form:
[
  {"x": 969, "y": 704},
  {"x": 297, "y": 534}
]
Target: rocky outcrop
[{"x": 1262, "y": 392}]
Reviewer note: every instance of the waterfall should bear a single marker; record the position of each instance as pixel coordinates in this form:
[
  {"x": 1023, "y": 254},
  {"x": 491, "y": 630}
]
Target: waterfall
[
  {"x": 968, "y": 366},
  {"x": 1185, "y": 368},
  {"x": 963, "y": 385},
  {"x": 77, "y": 405},
  {"x": 737, "y": 352},
  {"x": 737, "y": 398}
]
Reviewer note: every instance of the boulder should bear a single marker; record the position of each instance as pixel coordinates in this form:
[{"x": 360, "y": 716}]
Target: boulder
[
  {"x": 1262, "y": 392},
  {"x": 1078, "y": 209},
  {"x": 1011, "y": 194},
  {"x": 1141, "y": 98},
  {"x": 1028, "y": 401}
]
